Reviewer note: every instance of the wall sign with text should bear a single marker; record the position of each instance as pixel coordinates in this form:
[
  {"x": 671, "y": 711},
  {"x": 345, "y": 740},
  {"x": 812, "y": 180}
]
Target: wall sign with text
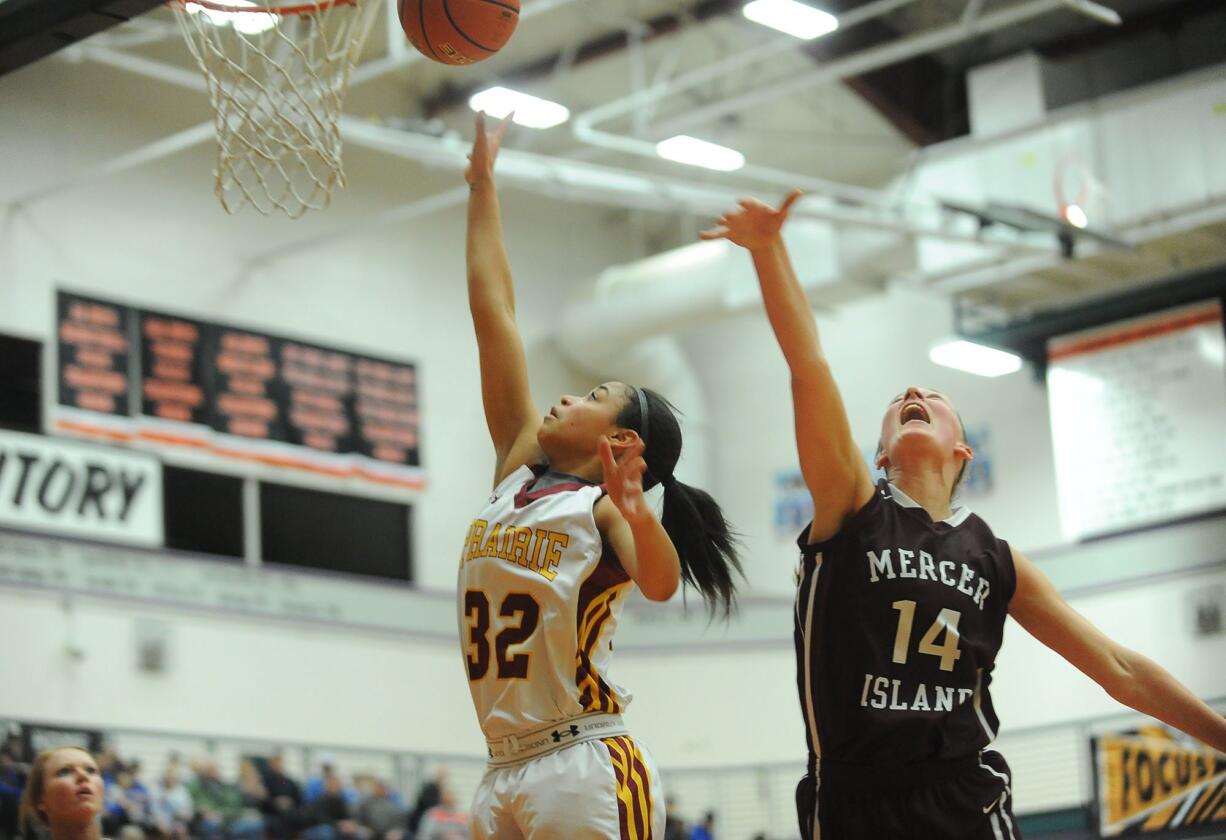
[
  {"x": 1137, "y": 413},
  {"x": 69, "y": 487},
  {"x": 134, "y": 374},
  {"x": 1148, "y": 782}
]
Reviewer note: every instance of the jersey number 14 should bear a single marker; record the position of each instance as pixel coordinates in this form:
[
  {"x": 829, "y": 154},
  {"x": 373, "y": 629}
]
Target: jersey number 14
[{"x": 947, "y": 651}]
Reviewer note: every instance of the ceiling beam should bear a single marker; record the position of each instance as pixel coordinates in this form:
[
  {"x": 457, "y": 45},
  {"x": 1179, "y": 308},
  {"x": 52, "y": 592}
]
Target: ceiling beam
[
  {"x": 34, "y": 29},
  {"x": 913, "y": 99}
]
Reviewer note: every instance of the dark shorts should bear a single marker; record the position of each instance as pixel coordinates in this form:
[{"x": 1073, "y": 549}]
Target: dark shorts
[{"x": 962, "y": 799}]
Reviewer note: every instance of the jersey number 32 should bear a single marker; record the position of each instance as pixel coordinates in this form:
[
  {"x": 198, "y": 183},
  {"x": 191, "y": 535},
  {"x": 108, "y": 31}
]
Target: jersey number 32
[{"x": 519, "y": 613}]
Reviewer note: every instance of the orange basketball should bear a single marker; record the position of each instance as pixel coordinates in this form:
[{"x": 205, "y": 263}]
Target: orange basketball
[{"x": 458, "y": 31}]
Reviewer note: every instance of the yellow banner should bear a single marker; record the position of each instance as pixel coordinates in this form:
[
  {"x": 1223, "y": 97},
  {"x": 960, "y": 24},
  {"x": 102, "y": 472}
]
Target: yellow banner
[{"x": 1148, "y": 783}]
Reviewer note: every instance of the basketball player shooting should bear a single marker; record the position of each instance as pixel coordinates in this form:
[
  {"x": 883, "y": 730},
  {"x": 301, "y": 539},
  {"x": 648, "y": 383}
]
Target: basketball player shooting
[
  {"x": 549, "y": 561},
  {"x": 902, "y": 602}
]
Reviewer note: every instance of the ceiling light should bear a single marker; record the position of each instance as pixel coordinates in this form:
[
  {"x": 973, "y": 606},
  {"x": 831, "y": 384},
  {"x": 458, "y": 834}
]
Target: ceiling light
[
  {"x": 695, "y": 152},
  {"x": 530, "y": 111},
  {"x": 248, "y": 23},
  {"x": 974, "y": 358},
  {"x": 796, "y": 19},
  {"x": 1075, "y": 216}
]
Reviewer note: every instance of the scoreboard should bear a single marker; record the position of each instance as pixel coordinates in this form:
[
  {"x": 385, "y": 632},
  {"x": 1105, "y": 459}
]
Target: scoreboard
[{"x": 134, "y": 374}]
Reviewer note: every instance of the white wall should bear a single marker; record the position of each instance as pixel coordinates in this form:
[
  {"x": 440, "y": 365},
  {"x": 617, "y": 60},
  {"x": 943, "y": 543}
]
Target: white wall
[
  {"x": 1034, "y": 687},
  {"x": 265, "y": 680}
]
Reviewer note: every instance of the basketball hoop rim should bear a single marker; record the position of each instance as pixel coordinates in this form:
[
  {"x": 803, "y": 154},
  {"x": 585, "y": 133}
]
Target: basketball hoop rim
[{"x": 298, "y": 9}]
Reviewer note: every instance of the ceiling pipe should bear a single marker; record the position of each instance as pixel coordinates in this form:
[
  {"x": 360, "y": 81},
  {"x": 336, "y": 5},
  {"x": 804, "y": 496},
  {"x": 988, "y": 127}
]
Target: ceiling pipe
[
  {"x": 584, "y": 126},
  {"x": 563, "y": 178},
  {"x": 884, "y": 55},
  {"x": 620, "y": 187},
  {"x": 681, "y": 289}
]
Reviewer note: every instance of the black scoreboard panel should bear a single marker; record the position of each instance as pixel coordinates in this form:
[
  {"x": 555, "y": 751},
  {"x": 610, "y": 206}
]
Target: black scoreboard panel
[
  {"x": 128, "y": 362},
  {"x": 95, "y": 355}
]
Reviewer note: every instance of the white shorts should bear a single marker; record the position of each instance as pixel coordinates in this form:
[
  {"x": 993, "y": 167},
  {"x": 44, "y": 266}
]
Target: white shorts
[{"x": 605, "y": 789}]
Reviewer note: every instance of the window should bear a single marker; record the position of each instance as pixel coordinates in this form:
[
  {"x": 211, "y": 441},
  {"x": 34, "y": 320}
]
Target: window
[
  {"x": 329, "y": 531},
  {"x": 21, "y": 394},
  {"x": 203, "y": 511}
]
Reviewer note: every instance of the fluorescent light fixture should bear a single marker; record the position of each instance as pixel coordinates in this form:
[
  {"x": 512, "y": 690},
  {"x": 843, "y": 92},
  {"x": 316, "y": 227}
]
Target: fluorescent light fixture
[
  {"x": 974, "y": 358},
  {"x": 695, "y": 152},
  {"x": 530, "y": 111},
  {"x": 1076, "y": 382},
  {"x": 796, "y": 19},
  {"x": 1075, "y": 216},
  {"x": 248, "y": 23}
]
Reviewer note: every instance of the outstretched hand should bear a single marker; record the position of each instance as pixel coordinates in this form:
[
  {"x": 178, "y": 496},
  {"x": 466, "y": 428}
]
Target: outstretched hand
[
  {"x": 485, "y": 149},
  {"x": 623, "y": 478},
  {"x": 754, "y": 224}
]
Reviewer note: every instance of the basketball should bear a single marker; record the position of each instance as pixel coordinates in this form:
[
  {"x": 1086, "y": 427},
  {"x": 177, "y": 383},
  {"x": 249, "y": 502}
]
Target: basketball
[{"x": 458, "y": 31}]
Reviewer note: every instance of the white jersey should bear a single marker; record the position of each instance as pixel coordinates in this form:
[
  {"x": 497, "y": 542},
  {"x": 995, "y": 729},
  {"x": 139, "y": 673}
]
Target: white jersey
[{"x": 539, "y": 601}]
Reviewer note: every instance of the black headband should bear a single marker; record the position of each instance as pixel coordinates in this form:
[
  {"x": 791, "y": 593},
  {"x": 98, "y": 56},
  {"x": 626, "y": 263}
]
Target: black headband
[{"x": 643, "y": 416}]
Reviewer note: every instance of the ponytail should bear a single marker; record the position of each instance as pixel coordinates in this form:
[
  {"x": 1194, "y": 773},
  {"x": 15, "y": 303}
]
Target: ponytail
[{"x": 705, "y": 543}]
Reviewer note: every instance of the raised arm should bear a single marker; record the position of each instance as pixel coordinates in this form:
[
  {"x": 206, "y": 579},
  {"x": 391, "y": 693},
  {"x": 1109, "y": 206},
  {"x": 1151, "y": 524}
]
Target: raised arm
[
  {"x": 510, "y": 414},
  {"x": 1132, "y": 679},
  {"x": 834, "y": 470},
  {"x": 627, "y": 521}
]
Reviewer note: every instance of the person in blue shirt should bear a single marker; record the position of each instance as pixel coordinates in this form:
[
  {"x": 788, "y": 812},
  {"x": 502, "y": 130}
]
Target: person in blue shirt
[{"x": 704, "y": 830}]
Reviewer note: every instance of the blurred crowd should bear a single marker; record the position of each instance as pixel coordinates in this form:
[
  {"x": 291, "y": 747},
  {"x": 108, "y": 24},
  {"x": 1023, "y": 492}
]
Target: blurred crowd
[{"x": 258, "y": 800}]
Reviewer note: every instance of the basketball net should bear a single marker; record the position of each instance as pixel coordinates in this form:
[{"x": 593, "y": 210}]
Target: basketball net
[{"x": 277, "y": 75}]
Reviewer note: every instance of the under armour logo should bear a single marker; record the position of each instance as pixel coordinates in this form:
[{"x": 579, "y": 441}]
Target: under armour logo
[{"x": 559, "y": 734}]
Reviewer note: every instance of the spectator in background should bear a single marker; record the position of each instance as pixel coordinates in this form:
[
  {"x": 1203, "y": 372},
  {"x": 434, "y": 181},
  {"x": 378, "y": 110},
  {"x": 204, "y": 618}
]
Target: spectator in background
[
  {"x": 12, "y": 782},
  {"x": 316, "y": 784},
  {"x": 381, "y": 814},
  {"x": 674, "y": 826},
  {"x": 251, "y": 789},
  {"x": 219, "y": 807},
  {"x": 175, "y": 765},
  {"x": 706, "y": 829},
  {"x": 283, "y": 808},
  {"x": 171, "y": 804},
  {"x": 14, "y": 747},
  {"x": 108, "y": 763},
  {"x": 64, "y": 793},
  {"x": 330, "y": 815},
  {"x": 214, "y": 801},
  {"x": 443, "y": 821},
  {"x": 115, "y": 807},
  {"x": 135, "y": 797},
  {"x": 427, "y": 797}
]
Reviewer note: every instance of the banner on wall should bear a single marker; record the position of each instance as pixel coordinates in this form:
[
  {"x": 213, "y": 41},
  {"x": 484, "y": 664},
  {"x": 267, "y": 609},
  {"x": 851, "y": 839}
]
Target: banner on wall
[
  {"x": 1148, "y": 782},
  {"x": 37, "y": 737},
  {"x": 67, "y": 487},
  {"x": 171, "y": 381},
  {"x": 1137, "y": 412}
]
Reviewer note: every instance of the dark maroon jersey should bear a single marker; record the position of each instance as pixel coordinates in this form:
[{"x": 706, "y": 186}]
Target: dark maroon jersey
[{"x": 898, "y": 620}]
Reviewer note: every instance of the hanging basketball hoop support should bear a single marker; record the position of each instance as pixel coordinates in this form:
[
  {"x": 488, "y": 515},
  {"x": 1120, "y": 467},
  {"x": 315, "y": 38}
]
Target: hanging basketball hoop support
[{"x": 276, "y": 75}]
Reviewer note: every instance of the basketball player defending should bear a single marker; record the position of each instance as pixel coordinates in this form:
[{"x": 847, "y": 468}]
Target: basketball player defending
[
  {"x": 902, "y": 602},
  {"x": 550, "y": 559}
]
